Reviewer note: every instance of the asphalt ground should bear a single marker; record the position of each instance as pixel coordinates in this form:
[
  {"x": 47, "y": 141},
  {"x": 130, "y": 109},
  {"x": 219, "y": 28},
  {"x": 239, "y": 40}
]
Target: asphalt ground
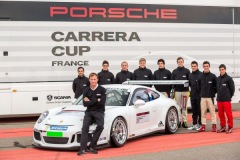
[{"x": 16, "y": 144}]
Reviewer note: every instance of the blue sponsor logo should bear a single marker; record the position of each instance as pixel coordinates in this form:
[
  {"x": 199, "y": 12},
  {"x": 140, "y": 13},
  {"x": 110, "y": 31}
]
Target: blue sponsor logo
[{"x": 59, "y": 128}]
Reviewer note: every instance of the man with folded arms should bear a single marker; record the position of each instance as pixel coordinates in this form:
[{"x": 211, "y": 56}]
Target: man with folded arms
[{"x": 94, "y": 98}]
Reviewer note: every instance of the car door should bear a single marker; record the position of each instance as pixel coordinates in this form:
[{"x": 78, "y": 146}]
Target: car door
[
  {"x": 140, "y": 116},
  {"x": 155, "y": 122}
]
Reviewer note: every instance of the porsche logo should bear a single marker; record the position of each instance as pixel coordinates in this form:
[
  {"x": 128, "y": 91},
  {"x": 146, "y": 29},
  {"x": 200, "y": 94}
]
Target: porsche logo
[
  {"x": 47, "y": 127},
  {"x": 61, "y": 121}
]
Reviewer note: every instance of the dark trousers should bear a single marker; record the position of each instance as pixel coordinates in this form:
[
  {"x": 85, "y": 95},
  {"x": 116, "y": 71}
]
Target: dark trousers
[
  {"x": 89, "y": 118},
  {"x": 196, "y": 110}
]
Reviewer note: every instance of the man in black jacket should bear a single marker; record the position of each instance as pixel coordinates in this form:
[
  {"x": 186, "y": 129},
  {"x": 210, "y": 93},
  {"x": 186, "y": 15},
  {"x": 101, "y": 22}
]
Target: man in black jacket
[
  {"x": 181, "y": 92},
  {"x": 142, "y": 73},
  {"x": 105, "y": 76},
  {"x": 225, "y": 91},
  {"x": 80, "y": 83},
  {"x": 195, "y": 96},
  {"x": 207, "y": 83},
  {"x": 124, "y": 75},
  {"x": 94, "y": 98},
  {"x": 162, "y": 74}
]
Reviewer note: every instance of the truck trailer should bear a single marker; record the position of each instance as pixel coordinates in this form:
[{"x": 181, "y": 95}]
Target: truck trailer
[{"x": 43, "y": 42}]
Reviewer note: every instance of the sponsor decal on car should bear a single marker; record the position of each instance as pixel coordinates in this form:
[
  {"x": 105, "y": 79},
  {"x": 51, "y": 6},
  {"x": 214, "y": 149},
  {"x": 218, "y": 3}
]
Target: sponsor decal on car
[
  {"x": 160, "y": 124},
  {"x": 142, "y": 117},
  {"x": 102, "y": 138},
  {"x": 59, "y": 128},
  {"x": 47, "y": 127}
]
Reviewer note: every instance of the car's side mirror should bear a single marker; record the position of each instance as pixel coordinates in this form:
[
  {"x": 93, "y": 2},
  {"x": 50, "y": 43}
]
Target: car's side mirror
[{"x": 139, "y": 102}]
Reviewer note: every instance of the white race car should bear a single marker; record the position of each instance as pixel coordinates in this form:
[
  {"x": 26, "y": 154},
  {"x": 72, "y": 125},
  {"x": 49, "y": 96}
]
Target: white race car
[{"x": 131, "y": 111}]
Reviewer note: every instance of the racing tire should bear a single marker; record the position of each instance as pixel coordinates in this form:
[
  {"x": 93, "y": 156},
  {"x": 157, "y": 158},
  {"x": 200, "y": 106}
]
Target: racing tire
[
  {"x": 119, "y": 132},
  {"x": 172, "y": 121}
]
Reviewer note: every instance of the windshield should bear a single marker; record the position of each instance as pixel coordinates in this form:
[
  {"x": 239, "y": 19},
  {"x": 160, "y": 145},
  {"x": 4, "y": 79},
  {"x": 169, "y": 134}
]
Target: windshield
[{"x": 115, "y": 97}]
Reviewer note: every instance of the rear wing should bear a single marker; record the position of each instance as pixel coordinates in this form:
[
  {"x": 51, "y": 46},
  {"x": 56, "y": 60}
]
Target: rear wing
[{"x": 185, "y": 83}]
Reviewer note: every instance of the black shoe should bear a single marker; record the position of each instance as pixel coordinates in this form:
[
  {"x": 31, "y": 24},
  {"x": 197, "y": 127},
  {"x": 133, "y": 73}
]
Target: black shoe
[
  {"x": 81, "y": 152},
  {"x": 184, "y": 125},
  {"x": 229, "y": 130},
  {"x": 180, "y": 124},
  {"x": 222, "y": 129},
  {"x": 92, "y": 150}
]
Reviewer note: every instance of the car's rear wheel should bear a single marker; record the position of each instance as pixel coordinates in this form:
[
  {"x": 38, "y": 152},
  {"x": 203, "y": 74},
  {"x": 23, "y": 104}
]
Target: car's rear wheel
[
  {"x": 119, "y": 132},
  {"x": 172, "y": 120}
]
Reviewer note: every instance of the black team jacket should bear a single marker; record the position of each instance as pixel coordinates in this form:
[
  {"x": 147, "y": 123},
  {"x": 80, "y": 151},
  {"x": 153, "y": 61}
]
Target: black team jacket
[
  {"x": 105, "y": 77},
  {"x": 79, "y": 84},
  {"x": 180, "y": 73},
  {"x": 193, "y": 83},
  {"x": 93, "y": 95},
  {"x": 162, "y": 74},
  {"x": 123, "y": 76},
  {"x": 207, "y": 84},
  {"x": 225, "y": 88},
  {"x": 142, "y": 74}
]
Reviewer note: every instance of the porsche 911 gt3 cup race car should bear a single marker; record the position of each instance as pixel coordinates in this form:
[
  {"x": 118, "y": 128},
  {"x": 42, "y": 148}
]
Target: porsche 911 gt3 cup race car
[{"x": 131, "y": 111}]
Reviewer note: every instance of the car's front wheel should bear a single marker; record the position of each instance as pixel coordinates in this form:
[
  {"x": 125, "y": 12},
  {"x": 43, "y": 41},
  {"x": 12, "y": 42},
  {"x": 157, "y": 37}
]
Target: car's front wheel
[
  {"x": 119, "y": 132},
  {"x": 172, "y": 120}
]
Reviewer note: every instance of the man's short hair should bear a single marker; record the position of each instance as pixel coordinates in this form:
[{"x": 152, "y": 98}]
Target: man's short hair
[
  {"x": 194, "y": 62},
  {"x": 80, "y": 68},
  {"x": 105, "y": 62},
  {"x": 142, "y": 59},
  {"x": 93, "y": 74},
  {"x": 222, "y": 66},
  {"x": 206, "y": 62},
  {"x": 124, "y": 62},
  {"x": 161, "y": 60},
  {"x": 179, "y": 59}
]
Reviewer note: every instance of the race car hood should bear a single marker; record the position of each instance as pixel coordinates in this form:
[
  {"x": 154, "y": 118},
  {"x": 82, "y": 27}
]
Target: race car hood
[
  {"x": 70, "y": 115},
  {"x": 75, "y": 108}
]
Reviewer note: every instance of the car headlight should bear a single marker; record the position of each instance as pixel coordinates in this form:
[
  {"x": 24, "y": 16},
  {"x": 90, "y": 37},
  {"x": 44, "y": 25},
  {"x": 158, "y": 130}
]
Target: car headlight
[{"x": 42, "y": 116}]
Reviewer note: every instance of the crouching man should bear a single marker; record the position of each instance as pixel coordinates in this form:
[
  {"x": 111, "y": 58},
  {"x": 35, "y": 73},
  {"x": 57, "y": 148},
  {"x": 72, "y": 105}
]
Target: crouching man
[{"x": 94, "y": 98}]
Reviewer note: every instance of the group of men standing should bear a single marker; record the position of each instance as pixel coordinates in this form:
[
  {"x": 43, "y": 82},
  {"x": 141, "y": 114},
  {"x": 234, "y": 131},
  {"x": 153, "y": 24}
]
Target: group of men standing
[
  {"x": 107, "y": 77},
  {"x": 203, "y": 88}
]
